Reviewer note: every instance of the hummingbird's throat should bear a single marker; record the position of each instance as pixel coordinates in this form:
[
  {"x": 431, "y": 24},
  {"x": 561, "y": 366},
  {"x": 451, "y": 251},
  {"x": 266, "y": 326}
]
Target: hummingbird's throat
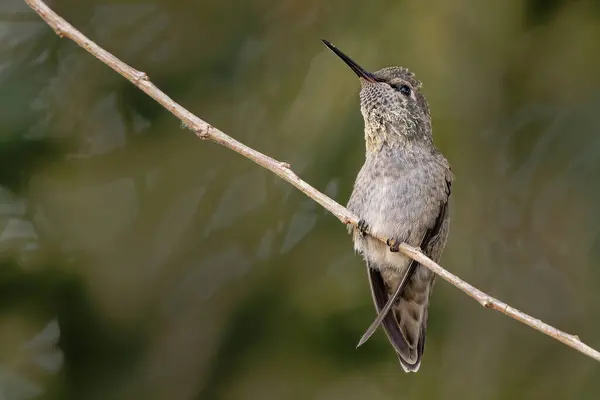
[
  {"x": 378, "y": 133},
  {"x": 375, "y": 140}
]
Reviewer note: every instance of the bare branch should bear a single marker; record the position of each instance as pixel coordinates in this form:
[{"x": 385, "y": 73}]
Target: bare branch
[{"x": 206, "y": 131}]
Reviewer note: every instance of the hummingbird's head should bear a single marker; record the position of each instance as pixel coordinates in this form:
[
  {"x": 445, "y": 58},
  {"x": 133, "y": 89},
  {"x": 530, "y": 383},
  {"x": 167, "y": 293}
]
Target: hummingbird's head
[{"x": 394, "y": 109}]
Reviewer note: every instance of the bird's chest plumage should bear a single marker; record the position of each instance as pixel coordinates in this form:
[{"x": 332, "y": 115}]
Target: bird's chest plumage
[{"x": 398, "y": 198}]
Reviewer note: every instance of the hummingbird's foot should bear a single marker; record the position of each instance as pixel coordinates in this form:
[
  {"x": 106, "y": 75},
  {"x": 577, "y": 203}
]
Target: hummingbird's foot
[
  {"x": 363, "y": 227},
  {"x": 394, "y": 244}
]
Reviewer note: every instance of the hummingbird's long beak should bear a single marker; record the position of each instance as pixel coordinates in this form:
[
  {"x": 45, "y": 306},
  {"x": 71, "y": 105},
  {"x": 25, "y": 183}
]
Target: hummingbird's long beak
[{"x": 358, "y": 70}]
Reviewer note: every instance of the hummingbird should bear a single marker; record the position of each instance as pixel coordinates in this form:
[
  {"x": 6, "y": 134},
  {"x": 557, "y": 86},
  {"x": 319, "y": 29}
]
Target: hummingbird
[{"x": 402, "y": 193}]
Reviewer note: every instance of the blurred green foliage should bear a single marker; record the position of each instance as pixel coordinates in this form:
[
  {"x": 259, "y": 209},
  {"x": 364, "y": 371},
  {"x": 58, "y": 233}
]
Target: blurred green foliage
[{"x": 140, "y": 262}]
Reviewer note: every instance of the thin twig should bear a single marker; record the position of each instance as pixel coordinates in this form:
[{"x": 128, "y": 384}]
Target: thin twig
[{"x": 206, "y": 131}]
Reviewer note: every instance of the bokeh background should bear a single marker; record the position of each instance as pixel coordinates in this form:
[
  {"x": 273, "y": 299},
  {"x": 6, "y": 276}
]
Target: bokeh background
[{"x": 138, "y": 262}]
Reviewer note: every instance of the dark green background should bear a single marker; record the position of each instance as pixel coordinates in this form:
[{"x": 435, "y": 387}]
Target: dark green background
[{"x": 153, "y": 265}]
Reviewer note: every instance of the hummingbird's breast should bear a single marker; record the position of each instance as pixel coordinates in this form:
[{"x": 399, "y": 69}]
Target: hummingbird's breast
[{"x": 399, "y": 195}]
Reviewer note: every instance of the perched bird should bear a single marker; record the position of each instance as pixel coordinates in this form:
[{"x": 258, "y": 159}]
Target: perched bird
[{"x": 401, "y": 193}]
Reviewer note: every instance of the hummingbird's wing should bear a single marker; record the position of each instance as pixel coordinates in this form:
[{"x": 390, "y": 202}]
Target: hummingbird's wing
[
  {"x": 383, "y": 312},
  {"x": 408, "y": 296}
]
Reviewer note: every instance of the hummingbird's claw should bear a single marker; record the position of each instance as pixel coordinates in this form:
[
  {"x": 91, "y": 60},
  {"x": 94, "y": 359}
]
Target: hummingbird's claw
[
  {"x": 363, "y": 227},
  {"x": 394, "y": 244}
]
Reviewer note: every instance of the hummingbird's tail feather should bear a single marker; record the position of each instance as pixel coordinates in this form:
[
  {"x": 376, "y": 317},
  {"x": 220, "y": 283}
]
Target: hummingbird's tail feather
[
  {"x": 406, "y": 324},
  {"x": 391, "y": 302}
]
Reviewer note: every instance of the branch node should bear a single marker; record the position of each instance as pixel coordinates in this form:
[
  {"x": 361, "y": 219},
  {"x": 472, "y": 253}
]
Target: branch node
[
  {"x": 140, "y": 76},
  {"x": 59, "y": 32},
  {"x": 487, "y": 303},
  {"x": 284, "y": 165},
  {"x": 204, "y": 133}
]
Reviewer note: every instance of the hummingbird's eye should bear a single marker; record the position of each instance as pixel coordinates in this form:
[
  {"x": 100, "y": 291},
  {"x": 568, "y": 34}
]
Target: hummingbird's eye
[{"x": 404, "y": 89}]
